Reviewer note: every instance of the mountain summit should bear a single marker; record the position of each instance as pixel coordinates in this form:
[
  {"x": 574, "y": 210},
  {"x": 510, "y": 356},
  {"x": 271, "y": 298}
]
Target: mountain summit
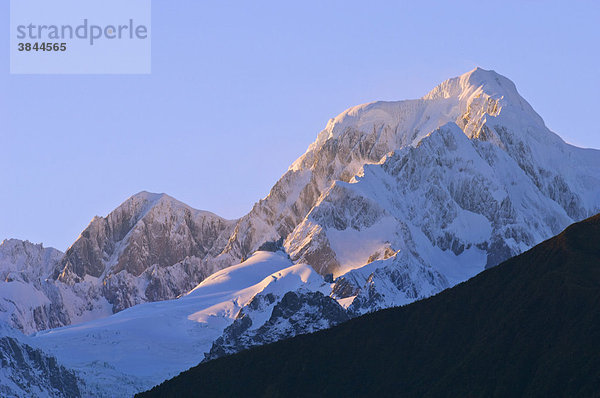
[
  {"x": 393, "y": 202},
  {"x": 146, "y": 229},
  {"x": 528, "y": 328},
  {"x": 433, "y": 190},
  {"x": 424, "y": 175}
]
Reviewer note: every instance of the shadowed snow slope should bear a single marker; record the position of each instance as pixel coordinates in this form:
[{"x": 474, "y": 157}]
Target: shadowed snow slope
[
  {"x": 27, "y": 371},
  {"x": 26, "y": 297},
  {"x": 143, "y": 345},
  {"x": 151, "y": 248},
  {"x": 459, "y": 180},
  {"x": 527, "y": 328},
  {"x": 396, "y": 200}
]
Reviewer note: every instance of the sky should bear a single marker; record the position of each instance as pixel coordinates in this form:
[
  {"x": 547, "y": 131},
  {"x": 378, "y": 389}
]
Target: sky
[{"x": 238, "y": 91}]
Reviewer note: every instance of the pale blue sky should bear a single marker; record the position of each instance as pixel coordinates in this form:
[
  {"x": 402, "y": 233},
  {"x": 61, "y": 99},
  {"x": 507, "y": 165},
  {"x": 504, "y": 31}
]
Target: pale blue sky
[{"x": 239, "y": 90}]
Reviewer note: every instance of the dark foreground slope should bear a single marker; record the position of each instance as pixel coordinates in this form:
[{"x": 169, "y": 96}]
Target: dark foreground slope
[{"x": 529, "y": 327}]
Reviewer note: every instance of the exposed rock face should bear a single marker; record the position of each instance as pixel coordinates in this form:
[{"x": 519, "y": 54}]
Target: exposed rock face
[
  {"x": 150, "y": 248},
  {"x": 143, "y": 345},
  {"x": 395, "y": 281},
  {"x": 460, "y": 180},
  {"x": 156, "y": 283},
  {"x": 470, "y": 155},
  {"x": 530, "y": 328},
  {"x": 400, "y": 200},
  {"x": 29, "y": 372},
  {"x": 298, "y": 312},
  {"x": 25, "y": 261},
  {"x": 146, "y": 230},
  {"x": 394, "y": 200},
  {"x": 28, "y": 301}
]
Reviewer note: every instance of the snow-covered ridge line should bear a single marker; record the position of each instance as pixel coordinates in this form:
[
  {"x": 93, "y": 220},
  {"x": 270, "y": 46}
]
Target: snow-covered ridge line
[
  {"x": 152, "y": 247},
  {"x": 160, "y": 339},
  {"x": 393, "y": 202}
]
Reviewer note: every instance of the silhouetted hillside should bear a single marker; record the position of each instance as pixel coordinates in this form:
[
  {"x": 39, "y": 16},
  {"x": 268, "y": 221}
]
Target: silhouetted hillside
[{"x": 528, "y": 327}]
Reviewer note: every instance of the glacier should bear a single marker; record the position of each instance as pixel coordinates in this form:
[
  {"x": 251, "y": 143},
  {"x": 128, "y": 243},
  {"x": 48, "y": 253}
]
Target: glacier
[{"x": 392, "y": 203}]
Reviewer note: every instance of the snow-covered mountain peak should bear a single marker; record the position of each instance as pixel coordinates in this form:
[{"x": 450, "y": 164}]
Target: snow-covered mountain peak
[
  {"x": 143, "y": 202},
  {"x": 144, "y": 230},
  {"x": 15, "y": 244},
  {"x": 480, "y": 94},
  {"x": 147, "y": 196},
  {"x": 393, "y": 202},
  {"x": 476, "y": 81},
  {"x": 27, "y": 259},
  {"x": 159, "y": 202},
  {"x": 24, "y": 269},
  {"x": 151, "y": 247},
  {"x": 477, "y": 120},
  {"x": 151, "y": 199},
  {"x": 468, "y": 100},
  {"x": 485, "y": 106}
]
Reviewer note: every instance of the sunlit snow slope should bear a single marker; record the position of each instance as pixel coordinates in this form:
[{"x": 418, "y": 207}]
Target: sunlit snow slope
[
  {"x": 393, "y": 202},
  {"x": 148, "y": 343}
]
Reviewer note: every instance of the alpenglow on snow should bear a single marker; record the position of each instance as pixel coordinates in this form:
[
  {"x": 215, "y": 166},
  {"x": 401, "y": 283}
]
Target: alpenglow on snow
[{"x": 393, "y": 202}]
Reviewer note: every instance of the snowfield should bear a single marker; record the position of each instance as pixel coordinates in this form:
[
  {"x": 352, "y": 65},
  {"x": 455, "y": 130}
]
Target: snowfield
[
  {"x": 146, "y": 344},
  {"x": 392, "y": 203}
]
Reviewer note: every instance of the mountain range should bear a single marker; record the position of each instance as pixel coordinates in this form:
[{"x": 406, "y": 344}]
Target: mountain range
[
  {"x": 393, "y": 203},
  {"x": 527, "y": 328}
]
